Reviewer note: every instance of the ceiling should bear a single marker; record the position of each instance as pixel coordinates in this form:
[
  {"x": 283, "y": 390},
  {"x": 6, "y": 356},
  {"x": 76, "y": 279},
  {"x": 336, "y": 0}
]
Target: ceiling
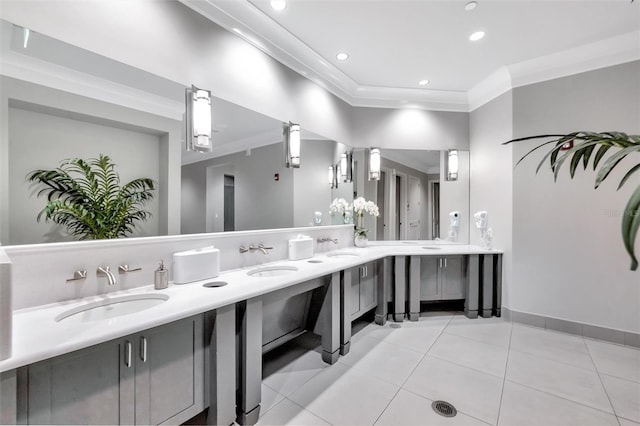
[{"x": 393, "y": 44}]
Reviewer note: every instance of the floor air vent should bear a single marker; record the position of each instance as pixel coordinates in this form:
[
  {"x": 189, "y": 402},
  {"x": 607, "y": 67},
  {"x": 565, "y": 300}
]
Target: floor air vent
[{"x": 444, "y": 408}]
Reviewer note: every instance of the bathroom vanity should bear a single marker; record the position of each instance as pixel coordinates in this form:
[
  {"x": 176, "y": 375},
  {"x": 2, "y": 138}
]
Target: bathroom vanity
[{"x": 170, "y": 361}]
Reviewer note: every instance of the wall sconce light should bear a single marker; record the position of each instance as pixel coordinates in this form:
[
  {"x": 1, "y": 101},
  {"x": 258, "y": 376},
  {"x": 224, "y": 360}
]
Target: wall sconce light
[
  {"x": 333, "y": 176},
  {"x": 291, "y": 136},
  {"x": 198, "y": 117},
  {"x": 374, "y": 163},
  {"x": 452, "y": 165},
  {"x": 346, "y": 167}
]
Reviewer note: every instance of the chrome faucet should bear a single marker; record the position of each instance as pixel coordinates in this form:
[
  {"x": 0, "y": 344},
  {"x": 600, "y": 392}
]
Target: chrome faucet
[
  {"x": 105, "y": 272},
  {"x": 264, "y": 249},
  {"x": 261, "y": 248},
  {"x": 325, "y": 239}
]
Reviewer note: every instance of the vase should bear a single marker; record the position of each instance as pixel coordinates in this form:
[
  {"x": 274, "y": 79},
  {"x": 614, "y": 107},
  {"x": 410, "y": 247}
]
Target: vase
[
  {"x": 346, "y": 218},
  {"x": 360, "y": 241}
]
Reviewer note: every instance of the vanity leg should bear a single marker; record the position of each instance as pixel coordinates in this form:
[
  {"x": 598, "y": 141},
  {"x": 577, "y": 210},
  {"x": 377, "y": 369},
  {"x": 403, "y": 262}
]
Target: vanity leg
[
  {"x": 414, "y": 288},
  {"x": 399, "y": 285},
  {"x": 222, "y": 367},
  {"x": 250, "y": 369},
  {"x": 497, "y": 289},
  {"x": 487, "y": 285},
  {"x": 331, "y": 319},
  {"x": 471, "y": 301},
  {"x": 382, "y": 284},
  {"x": 345, "y": 312}
]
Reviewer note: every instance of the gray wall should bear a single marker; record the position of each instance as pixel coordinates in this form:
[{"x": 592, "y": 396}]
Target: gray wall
[
  {"x": 454, "y": 196},
  {"x": 568, "y": 258},
  {"x": 260, "y": 201},
  {"x": 410, "y": 128},
  {"x": 311, "y": 191},
  {"x": 41, "y": 141},
  {"x": 48, "y": 125},
  {"x": 492, "y": 177}
]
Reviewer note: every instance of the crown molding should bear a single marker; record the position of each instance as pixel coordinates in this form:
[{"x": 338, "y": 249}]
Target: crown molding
[
  {"x": 257, "y": 28},
  {"x": 601, "y": 54},
  {"x": 28, "y": 69},
  {"x": 494, "y": 85},
  {"x": 588, "y": 57},
  {"x": 248, "y": 22}
]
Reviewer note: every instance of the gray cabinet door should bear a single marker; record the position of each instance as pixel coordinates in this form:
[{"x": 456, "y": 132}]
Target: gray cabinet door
[
  {"x": 89, "y": 386},
  {"x": 452, "y": 278},
  {"x": 368, "y": 294},
  {"x": 147, "y": 378},
  {"x": 169, "y": 372},
  {"x": 429, "y": 278},
  {"x": 355, "y": 292},
  {"x": 364, "y": 296}
]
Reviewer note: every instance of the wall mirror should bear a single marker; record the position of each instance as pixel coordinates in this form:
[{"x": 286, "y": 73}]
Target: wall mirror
[
  {"x": 60, "y": 101},
  {"x": 415, "y": 200}
]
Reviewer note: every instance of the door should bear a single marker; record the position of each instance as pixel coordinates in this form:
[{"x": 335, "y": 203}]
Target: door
[
  {"x": 429, "y": 278},
  {"x": 435, "y": 210},
  {"x": 355, "y": 292},
  {"x": 229, "y": 203},
  {"x": 169, "y": 371},
  {"x": 89, "y": 386},
  {"x": 414, "y": 208},
  {"x": 382, "y": 217},
  {"x": 452, "y": 278},
  {"x": 368, "y": 294}
]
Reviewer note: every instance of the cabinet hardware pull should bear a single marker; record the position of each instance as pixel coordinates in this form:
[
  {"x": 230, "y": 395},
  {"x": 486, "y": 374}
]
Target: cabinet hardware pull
[
  {"x": 127, "y": 354},
  {"x": 445, "y": 262},
  {"x": 440, "y": 262},
  {"x": 143, "y": 349}
]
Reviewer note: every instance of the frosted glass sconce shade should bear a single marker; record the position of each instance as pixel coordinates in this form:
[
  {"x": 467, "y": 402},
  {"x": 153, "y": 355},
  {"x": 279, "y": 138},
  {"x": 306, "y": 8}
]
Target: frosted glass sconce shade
[
  {"x": 346, "y": 167},
  {"x": 198, "y": 117},
  {"x": 291, "y": 136},
  {"x": 452, "y": 164},
  {"x": 374, "y": 164}
]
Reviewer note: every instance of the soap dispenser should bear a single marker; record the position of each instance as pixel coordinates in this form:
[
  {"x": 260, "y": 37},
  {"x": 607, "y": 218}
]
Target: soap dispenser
[{"x": 161, "y": 279}]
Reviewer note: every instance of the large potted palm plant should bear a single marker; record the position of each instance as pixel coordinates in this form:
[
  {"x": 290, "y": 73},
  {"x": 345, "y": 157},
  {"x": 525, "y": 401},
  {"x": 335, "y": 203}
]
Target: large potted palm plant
[
  {"x": 586, "y": 145},
  {"x": 86, "y": 197}
]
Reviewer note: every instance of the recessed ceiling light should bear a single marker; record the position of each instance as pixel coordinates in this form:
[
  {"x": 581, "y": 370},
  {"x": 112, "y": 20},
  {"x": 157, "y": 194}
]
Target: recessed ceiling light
[
  {"x": 278, "y": 4},
  {"x": 476, "y": 36},
  {"x": 471, "y": 5},
  {"x": 423, "y": 82},
  {"x": 342, "y": 56}
]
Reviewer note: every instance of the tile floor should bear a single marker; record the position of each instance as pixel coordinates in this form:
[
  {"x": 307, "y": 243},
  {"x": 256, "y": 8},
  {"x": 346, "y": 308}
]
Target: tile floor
[{"x": 494, "y": 372}]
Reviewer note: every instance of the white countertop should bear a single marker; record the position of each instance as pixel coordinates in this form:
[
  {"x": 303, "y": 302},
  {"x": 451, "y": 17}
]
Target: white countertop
[{"x": 37, "y": 336}]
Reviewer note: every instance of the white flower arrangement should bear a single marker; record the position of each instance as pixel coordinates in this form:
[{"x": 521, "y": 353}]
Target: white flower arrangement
[
  {"x": 360, "y": 207},
  {"x": 339, "y": 205}
]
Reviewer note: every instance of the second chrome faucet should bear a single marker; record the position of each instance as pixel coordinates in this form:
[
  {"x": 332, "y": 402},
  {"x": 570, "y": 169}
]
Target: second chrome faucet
[
  {"x": 104, "y": 271},
  {"x": 261, "y": 247}
]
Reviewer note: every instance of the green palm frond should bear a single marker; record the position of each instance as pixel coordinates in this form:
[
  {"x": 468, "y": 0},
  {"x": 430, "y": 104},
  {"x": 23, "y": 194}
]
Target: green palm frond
[
  {"x": 86, "y": 197},
  {"x": 584, "y": 147}
]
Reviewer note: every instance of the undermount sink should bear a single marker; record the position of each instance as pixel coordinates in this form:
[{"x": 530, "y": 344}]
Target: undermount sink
[
  {"x": 343, "y": 254},
  {"x": 271, "y": 271},
  {"x": 112, "y": 307}
]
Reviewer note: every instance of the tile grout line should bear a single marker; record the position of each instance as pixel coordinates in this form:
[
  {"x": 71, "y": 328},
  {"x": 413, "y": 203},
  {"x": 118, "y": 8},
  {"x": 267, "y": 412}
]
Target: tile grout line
[
  {"x": 401, "y": 387},
  {"x": 504, "y": 379},
  {"x": 564, "y": 398},
  {"x": 309, "y": 411},
  {"x": 601, "y": 382}
]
